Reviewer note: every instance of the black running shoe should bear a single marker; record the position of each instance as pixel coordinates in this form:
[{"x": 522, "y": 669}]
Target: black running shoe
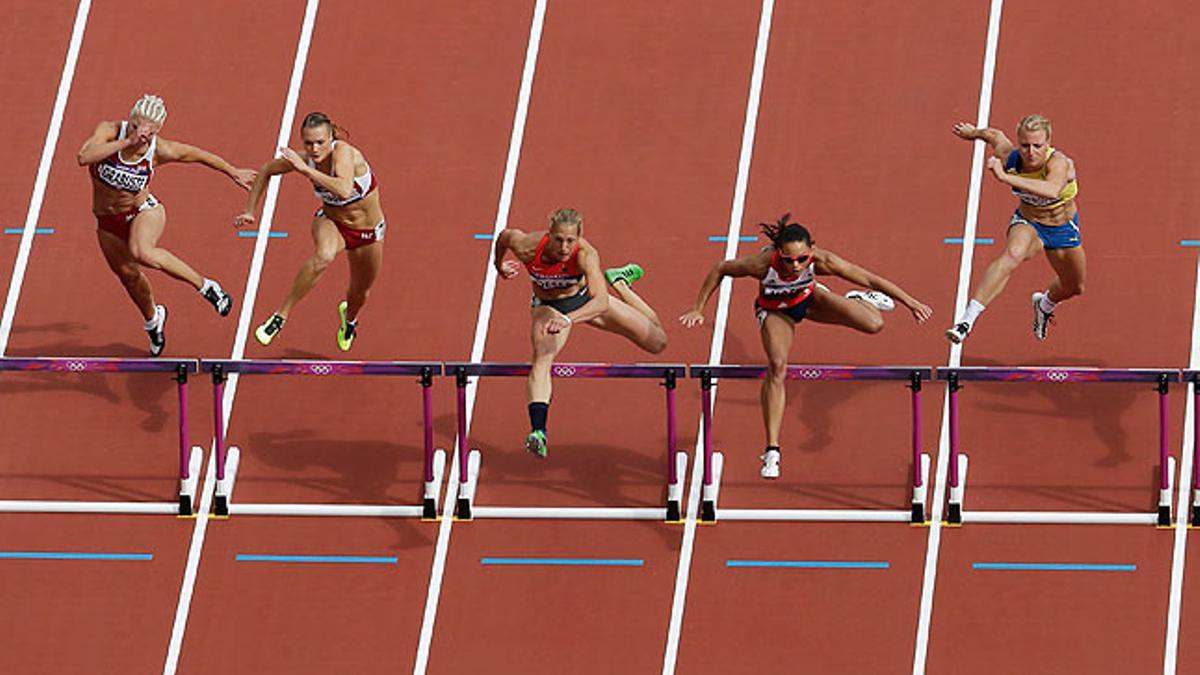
[
  {"x": 268, "y": 330},
  {"x": 219, "y": 299},
  {"x": 158, "y": 336}
]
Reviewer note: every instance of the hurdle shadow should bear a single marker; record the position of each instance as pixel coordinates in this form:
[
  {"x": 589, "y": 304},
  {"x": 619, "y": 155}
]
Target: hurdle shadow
[
  {"x": 99, "y": 487},
  {"x": 73, "y": 348}
]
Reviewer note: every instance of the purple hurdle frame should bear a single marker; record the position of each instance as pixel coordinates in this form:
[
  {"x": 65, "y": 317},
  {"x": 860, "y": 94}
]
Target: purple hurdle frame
[
  {"x": 222, "y": 368},
  {"x": 668, "y": 372},
  {"x": 915, "y": 375},
  {"x": 1160, "y": 377},
  {"x": 86, "y": 364}
]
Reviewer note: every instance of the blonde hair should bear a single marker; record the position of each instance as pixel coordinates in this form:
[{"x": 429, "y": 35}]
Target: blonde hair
[
  {"x": 566, "y": 216},
  {"x": 149, "y": 107},
  {"x": 1034, "y": 122}
]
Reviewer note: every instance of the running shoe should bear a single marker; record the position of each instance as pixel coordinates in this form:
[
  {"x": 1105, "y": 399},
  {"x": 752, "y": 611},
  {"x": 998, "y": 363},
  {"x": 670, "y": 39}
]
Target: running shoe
[
  {"x": 629, "y": 274},
  {"x": 158, "y": 336},
  {"x": 879, "y": 301},
  {"x": 219, "y": 299},
  {"x": 770, "y": 464},
  {"x": 347, "y": 331},
  {"x": 535, "y": 443},
  {"x": 269, "y": 329},
  {"x": 1040, "y": 319},
  {"x": 958, "y": 332}
]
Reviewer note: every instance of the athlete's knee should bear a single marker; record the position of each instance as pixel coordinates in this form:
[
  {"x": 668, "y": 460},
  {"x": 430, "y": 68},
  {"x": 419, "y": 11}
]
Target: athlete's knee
[
  {"x": 1010, "y": 259},
  {"x": 147, "y": 256},
  {"x": 321, "y": 260},
  {"x": 1072, "y": 289},
  {"x": 657, "y": 342},
  {"x": 777, "y": 368},
  {"x": 873, "y": 325}
]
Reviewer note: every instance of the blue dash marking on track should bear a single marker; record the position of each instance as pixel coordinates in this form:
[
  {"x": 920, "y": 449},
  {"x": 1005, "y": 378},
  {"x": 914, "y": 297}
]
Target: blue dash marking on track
[
  {"x": 249, "y": 557},
  {"x": 812, "y": 564},
  {"x": 66, "y": 555},
  {"x": 578, "y": 562},
  {"x": 38, "y": 230},
  {"x": 723, "y": 237},
  {"x": 1054, "y": 567},
  {"x": 1189, "y": 242},
  {"x": 246, "y": 234},
  {"x": 484, "y": 237},
  {"x": 978, "y": 240}
]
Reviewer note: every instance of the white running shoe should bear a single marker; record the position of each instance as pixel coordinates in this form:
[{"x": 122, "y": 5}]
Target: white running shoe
[
  {"x": 1040, "y": 319},
  {"x": 879, "y": 301},
  {"x": 770, "y": 464},
  {"x": 958, "y": 332},
  {"x": 158, "y": 336}
]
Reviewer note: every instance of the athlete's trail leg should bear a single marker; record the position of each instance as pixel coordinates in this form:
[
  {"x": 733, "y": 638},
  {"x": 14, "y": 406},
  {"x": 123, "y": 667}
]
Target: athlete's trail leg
[
  {"x": 144, "y": 233},
  {"x": 1071, "y": 266},
  {"x": 121, "y": 262},
  {"x": 1021, "y": 245}
]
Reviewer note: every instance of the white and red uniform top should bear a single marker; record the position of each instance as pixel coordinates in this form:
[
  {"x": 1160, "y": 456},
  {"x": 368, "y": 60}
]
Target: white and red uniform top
[
  {"x": 363, "y": 185},
  {"x": 118, "y": 174},
  {"x": 778, "y": 292},
  {"x": 555, "y": 276}
]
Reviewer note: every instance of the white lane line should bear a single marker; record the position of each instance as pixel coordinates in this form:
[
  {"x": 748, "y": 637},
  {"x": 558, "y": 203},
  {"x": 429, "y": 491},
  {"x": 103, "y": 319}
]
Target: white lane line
[
  {"x": 683, "y": 572},
  {"x": 1183, "y": 508},
  {"x": 43, "y": 173},
  {"x": 438, "y": 568},
  {"x": 933, "y": 544},
  {"x": 239, "y": 344}
]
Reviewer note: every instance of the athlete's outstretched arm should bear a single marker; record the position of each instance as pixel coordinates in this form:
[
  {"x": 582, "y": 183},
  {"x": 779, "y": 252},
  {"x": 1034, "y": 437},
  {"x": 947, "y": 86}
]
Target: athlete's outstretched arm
[
  {"x": 1001, "y": 146},
  {"x": 341, "y": 183},
  {"x": 829, "y": 263},
  {"x": 172, "y": 151},
  {"x": 104, "y": 143},
  {"x": 274, "y": 167},
  {"x": 751, "y": 265},
  {"x": 589, "y": 262}
]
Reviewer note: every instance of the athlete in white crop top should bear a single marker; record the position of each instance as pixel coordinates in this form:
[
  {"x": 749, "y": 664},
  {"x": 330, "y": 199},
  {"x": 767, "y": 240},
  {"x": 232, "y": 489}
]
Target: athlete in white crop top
[
  {"x": 350, "y": 220},
  {"x": 789, "y": 293},
  {"x": 121, "y": 158}
]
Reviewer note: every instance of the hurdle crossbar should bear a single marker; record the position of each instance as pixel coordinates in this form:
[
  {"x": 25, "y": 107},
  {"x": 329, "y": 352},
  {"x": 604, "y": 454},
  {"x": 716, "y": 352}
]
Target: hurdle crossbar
[
  {"x": 713, "y": 463},
  {"x": 228, "y": 459},
  {"x": 189, "y": 463},
  {"x": 469, "y": 459},
  {"x": 1160, "y": 377}
]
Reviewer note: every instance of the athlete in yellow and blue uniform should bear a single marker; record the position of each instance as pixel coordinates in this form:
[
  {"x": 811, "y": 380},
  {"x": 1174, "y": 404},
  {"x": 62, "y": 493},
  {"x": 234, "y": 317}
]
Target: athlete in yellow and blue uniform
[{"x": 1046, "y": 219}]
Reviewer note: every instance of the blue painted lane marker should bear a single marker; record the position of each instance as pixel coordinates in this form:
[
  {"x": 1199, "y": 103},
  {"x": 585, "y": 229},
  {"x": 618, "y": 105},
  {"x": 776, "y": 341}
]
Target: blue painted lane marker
[
  {"x": 66, "y": 555},
  {"x": 1189, "y": 242},
  {"x": 978, "y": 240},
  {"x": 36, "y": 230},
  {"x": 813, "y": 564},
  {"x": 245, "y": 234},
  {"x": 484, "y": 237},
  {"x": 1054, "y": 567},
  {"x": 382, "y": 560},
  {"x": 577, "y": 562},
  {"x": 724, "y": 237}
]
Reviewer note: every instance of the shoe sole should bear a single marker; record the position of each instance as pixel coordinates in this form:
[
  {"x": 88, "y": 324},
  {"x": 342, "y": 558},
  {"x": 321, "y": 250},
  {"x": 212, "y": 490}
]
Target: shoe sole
[
  {"x": 953, "y": 336},
  {"x": 162, "y": 329},
  {"x": 1037, "y": 314},
  {"x": 342, "y": 313}
]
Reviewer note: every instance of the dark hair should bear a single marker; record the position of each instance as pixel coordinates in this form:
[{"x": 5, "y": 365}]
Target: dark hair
[
  {"x": 781, "y": 231},
  {"x": 317, "y": 119}
]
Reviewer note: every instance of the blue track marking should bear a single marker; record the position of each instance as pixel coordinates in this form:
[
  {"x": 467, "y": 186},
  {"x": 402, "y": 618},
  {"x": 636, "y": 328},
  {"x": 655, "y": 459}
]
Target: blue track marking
[
  {"x": 484, "y": 236},
  {"x": 38, "y": 230},
  {"x": 67, "y": 555},
  {"x": 578, "y": 562},
  {"x": 1054, "y": 567},
  {"x": 726, "y": 238},
  {"x": 1189, "y": 242},
  {"x": 245, "y": 234},
  {"x": 381, "y": 560},
  {"x": 978, "y": 240},
  {"x": 813, "y": 564}
]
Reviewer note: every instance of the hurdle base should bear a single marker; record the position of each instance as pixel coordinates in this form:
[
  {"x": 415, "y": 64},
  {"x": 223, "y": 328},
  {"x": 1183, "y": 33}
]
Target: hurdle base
[
  {"x": 429, "y": 504},
  {"x": 955, "y": 506},
  {"x": 708, "y": 505},
  {"x": 675, "y": 491},
  {"x": 919, "y": 515},
  {"x": 223, "y": 493},
  {"x": 1165, "y": 519},
  {"x": 187, "y": 486},
  {"x": 466, "y": 491},
  {"x": 1195, "y": 522}
]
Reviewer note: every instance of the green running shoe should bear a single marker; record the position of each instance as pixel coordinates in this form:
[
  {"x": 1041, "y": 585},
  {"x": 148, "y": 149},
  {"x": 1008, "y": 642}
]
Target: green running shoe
[
  {"x": 347, "y": 331},
  {"x": 268, "y": 330},
  {"x": 535, "y": 443},
  {"x": 629, "y": 274}
]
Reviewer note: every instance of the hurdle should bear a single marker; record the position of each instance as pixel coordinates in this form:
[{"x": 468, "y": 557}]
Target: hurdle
[
  {"x": 714, "y": 462},
  {"x": 229, "y": 458},
  {"x": 1192, "y": 377},
  {"x": 189, "y": 463},
  {"x": 958, "y": 463},
  {"x": 469, "y": 460}
]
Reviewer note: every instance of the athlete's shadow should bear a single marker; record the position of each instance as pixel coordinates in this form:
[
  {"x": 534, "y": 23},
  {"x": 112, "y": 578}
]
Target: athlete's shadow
[{"x": 358, "y": 471}]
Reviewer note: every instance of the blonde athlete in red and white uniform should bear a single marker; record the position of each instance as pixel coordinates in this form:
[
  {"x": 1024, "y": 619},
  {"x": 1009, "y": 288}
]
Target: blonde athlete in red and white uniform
[
  {"x": 788, "y": 293},
  {"x": 121, "y": 157},
  {"x": 569, "y": 288},
  {"x": 351, "y": 220}
]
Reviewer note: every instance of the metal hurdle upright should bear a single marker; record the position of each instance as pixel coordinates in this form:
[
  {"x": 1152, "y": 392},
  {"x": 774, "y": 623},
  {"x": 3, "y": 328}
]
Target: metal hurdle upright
[
  {"x": 228, "y": 459},
  {"x": 713, "y": 462},
  {"x": 955, "y": 515},
  {"x": 189, "y": 464},
  {"x": 1193, "y": 377},
  {"x": 469, "y": 460}
]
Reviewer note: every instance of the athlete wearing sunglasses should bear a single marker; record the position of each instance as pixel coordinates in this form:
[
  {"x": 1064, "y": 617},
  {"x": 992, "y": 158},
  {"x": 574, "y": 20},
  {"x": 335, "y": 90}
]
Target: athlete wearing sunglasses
[{"x": 788, "y": 293}]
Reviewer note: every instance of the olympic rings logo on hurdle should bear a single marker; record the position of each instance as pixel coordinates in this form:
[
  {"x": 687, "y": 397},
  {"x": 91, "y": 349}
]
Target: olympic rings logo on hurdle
[
  {"x": 564, "y": 371},
  {"x": 809, "y": 374},
  {"x": 76, "y": 366},
  {"x": 1058, "y": 375},
  {"x": 320, "y": 369}
]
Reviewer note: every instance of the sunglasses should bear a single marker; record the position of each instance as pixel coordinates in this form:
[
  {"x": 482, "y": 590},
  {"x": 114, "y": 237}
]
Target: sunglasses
[{"x": 798, "y": 260}]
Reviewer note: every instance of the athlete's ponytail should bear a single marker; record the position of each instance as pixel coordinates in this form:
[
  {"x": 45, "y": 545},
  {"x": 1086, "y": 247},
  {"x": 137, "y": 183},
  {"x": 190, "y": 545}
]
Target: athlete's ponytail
[
  {"x": 319, "y": 119},
  {"x": 783, "y": 230}
]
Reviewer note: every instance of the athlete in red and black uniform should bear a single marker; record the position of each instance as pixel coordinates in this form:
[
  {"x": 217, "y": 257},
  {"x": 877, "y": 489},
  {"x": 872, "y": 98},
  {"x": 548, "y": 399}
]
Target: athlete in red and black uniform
[
  {"x": 351, "y": 220},
  {"x": 121, "y": 157},
  {"x": 788, "y": 293},
  {"x": 569, "y": 288}
]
